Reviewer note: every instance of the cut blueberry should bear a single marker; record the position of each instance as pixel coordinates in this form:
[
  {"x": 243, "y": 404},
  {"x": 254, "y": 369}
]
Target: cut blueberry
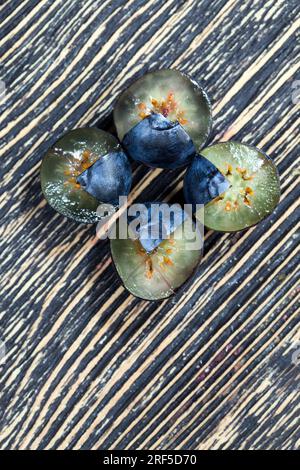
[
  {"x": 160, "y": 143},
  {"x": 185, "y": 108},
  {"x": 84, "y": 168},
  {"x": 203, "y": 182},
  {"x": 156, "y": 272},
  {"x": 254, "y": 188}
]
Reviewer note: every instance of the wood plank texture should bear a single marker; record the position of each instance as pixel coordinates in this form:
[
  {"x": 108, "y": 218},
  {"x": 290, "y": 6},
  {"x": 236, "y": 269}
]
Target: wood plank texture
[{"x": 87, "y": 365}]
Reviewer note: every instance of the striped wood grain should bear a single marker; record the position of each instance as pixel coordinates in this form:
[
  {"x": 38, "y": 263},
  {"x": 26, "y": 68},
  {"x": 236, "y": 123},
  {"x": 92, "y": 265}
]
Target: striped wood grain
[{"x": 88, "y": 366}]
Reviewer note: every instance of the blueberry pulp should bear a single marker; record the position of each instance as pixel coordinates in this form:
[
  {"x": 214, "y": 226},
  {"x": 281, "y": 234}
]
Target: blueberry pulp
[
  {"x": 108, "y": 178},
  {"x": 254, "y": 188},
  {"x": 156, "y": 274},
  {"x": 72, "y": 155},
  {"x": 153, "y": 223},
  {"x": 163, "y": 118},
  {"x": 203, "y": 182},
  {"x": 158, "y": 142}
]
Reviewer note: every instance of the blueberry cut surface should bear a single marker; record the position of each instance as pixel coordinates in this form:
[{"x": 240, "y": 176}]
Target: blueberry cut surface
[
  {"x": 152, "y": 268},
  {"x": 181, "y": 104},
  {"x": 84, "y": 168},
  {"x": 254, "y": 190}
]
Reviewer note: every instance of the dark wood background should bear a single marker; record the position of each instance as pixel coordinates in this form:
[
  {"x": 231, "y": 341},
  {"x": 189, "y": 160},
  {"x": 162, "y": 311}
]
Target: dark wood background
[{"x": 87, "y": 365}]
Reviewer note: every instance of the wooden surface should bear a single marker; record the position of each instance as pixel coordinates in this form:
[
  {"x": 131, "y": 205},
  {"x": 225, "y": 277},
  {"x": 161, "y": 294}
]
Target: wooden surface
[{"x": 87, "y": 365}]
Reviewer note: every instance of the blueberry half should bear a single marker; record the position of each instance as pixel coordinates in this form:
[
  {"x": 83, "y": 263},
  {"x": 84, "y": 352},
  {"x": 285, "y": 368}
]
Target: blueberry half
[
  {"x": 184, "y": 109},
  {"x": 155, "y": 272},
  {"x": 254, "y": 188},
  {"x": 203, "y": 182},
  {"x": 105, "y": 169},
  {"x": 158, "y": 142},
  {"x": 108, "y": 178}
]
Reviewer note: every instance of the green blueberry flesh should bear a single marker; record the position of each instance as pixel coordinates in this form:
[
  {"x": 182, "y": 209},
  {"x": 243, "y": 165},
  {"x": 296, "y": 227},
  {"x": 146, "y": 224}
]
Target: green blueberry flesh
[
  {"x": 254, "y": 188},
  {"x": 157, "y": 275},
  {"x": 170, "y": 93},
  {"x": 70, "y": 156}
]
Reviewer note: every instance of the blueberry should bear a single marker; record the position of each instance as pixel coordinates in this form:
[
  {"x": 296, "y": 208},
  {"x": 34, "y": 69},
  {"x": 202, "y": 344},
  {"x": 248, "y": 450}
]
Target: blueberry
[
  {"x": 152, "y": 223},
  {"x": 108, "y": 178},
  {"x": 163, "y": 118},
  {"x": 158, "y": 142},
  {"x": 203, "y": 182},
  {"x": 84, "y": 168},
  {"x": 153, "y": 268}
]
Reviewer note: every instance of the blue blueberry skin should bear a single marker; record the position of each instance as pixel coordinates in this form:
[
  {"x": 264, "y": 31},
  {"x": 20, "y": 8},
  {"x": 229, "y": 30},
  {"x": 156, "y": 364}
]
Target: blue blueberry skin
[
  {"x": 203, "y": 182},
  {"x": 108, "y": 178},
  {"x": 158, "y": 142},
  {"x": 155, "y": 225}
]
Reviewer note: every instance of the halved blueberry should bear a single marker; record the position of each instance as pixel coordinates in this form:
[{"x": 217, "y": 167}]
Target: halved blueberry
[
  {"x": 154, "y": 272},
  {"x": 203, "y": 182},
  {"x": 254, "y": 188},
  {"x": 84, "y": 168},
  {"x": 184, "y": 123},
  {"x": 152, "y": 223}
]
